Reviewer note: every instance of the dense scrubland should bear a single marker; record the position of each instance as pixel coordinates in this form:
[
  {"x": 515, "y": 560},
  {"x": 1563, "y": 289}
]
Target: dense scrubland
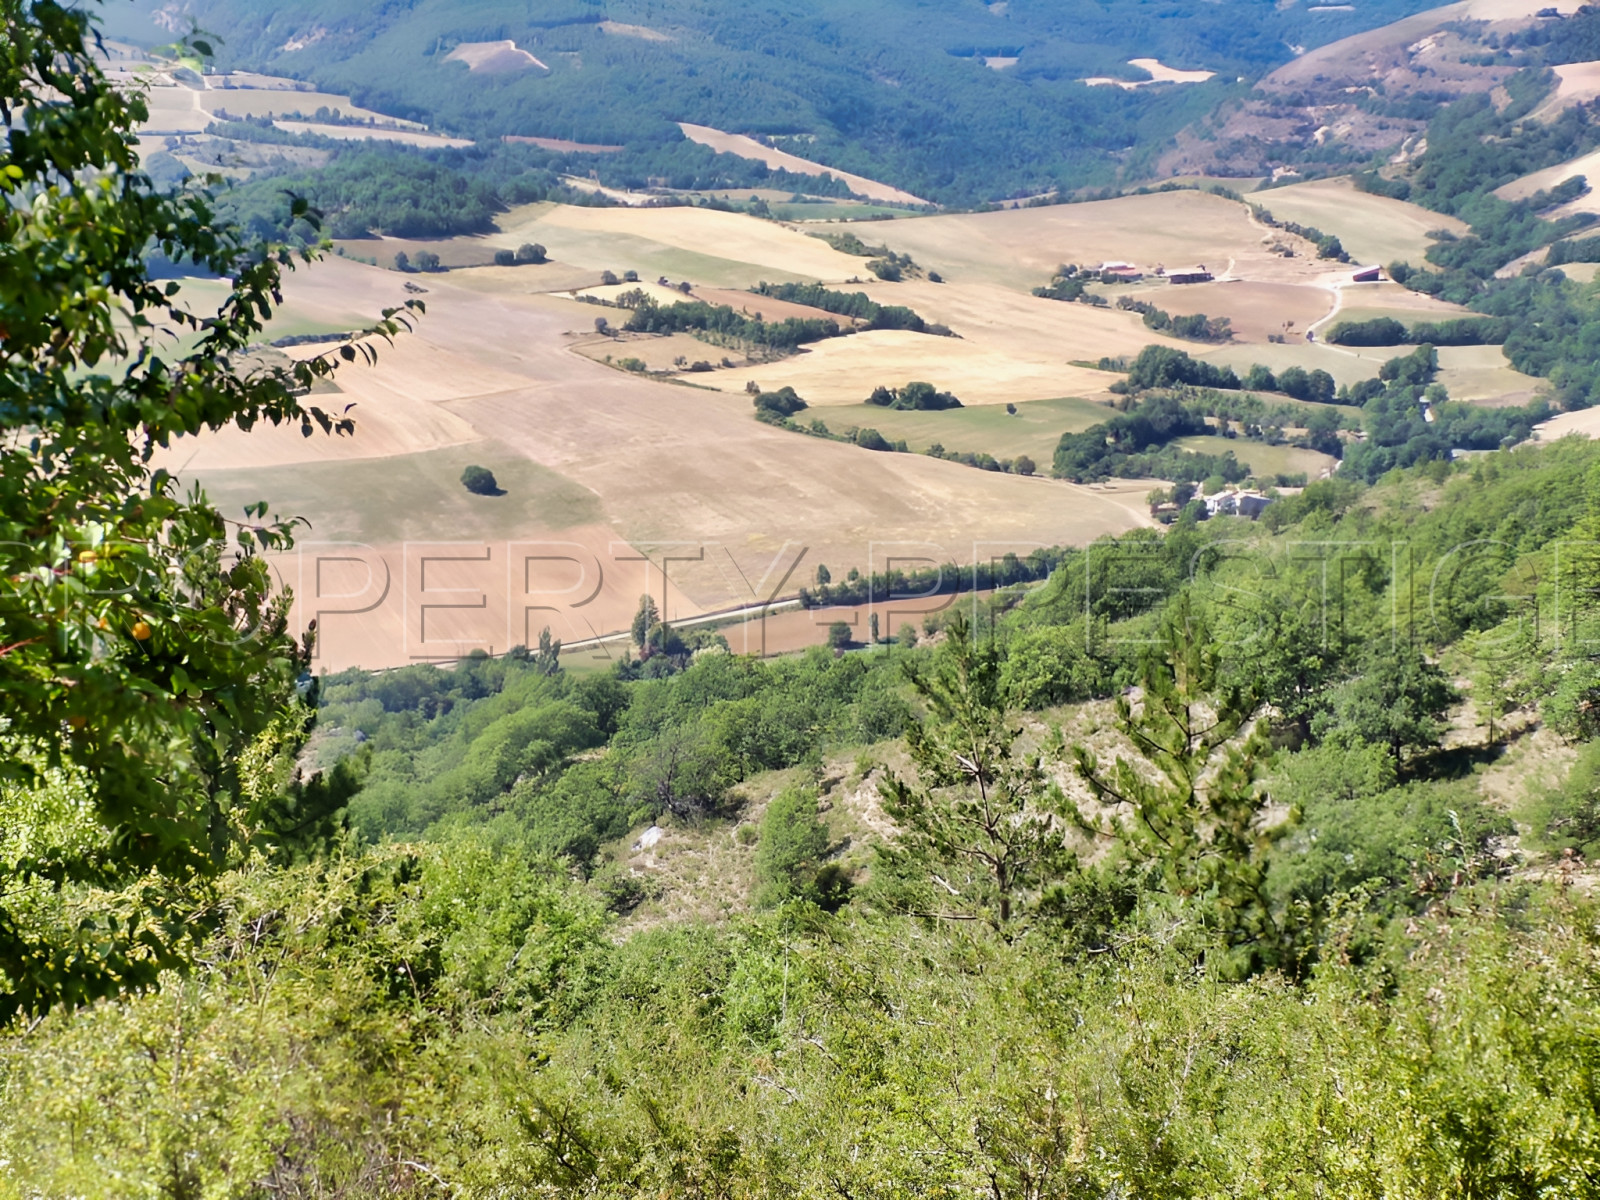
[
  {"x": 1259, "y": 923},
  {"x": 1235, "y": 858}
]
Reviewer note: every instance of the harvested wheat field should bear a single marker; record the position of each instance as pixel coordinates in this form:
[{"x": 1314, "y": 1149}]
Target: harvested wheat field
[
  {"x": 1265, "y": 461},
  {"x": 769, "y": 308},
  {"x": 1033, "y": 430},
  {"x": 375, "y": 133},
  {"x": 1158, "y": 72},
  {"x": 1585, "y": 422},
  {"x": 794, "y": 629},
  {"x": 1347, "y": 365},
  {"x": 642, "y": 32},
  {"x": 1021, "y": 248},
  {"x": 278, "y": 102},
  {"x": 1482, "y": 375},
  {"x": 1578, "y": 83},
  {"x": 1021, "y": 326},
  {"x": 684, "y": 477},
  {"x": 1366, "y": 301},
  {"x": 1374, "y": 229},
  {"x": 607, "y": 293},
  {"x": 844, "y": 370},
  {"x": 1582, "y": 272},
  {"x": 494, "y": 58},
  {"x": 700, "y": 245},
  {"x": 658, "y": 353},
  {"x": 561, "y": 145},
  {"x": 748, "y": 147},
  {"x": 1587, "y": 165},
  {"x": 1257, "y": 310}
]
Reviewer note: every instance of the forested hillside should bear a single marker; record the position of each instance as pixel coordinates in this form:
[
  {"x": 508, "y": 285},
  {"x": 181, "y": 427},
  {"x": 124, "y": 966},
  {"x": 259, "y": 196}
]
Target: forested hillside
[
  {"x": 894, "y": 91},
  {"x": 1319, "y": 933},
  {"x": 1231, "y": 858},
  {"x": 1548, "y": 323}
]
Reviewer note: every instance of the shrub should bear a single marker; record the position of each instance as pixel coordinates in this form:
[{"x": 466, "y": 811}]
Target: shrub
[
  {"x": 480, "y": 481},
  {"x": 505, "y": 258},
  {"x": 784, "y": 402},
  {"x": 1572, "y": 708},
  {"x": 839, "y": 635},
  {"x": 531, "y": 252},
  {"x": 871, "y": 439},
  {"x": 793, "y": 840}
]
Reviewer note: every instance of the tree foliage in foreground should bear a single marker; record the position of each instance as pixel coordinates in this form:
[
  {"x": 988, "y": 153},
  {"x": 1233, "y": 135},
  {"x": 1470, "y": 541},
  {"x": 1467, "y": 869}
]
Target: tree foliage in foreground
[{"x": 145, "y": 660}]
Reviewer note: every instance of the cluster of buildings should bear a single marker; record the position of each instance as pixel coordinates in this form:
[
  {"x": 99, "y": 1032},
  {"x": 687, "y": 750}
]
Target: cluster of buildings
[
  {"x": 1236, "y": 502},
  {"x": 1125, "y": 272}
]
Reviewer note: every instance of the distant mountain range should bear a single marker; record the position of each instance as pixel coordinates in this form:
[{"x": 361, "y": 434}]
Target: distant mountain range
[{"x": 956, "y": 100}]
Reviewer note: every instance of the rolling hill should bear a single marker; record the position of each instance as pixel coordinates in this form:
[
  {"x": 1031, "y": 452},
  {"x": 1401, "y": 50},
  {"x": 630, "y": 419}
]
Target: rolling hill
[{"x": 957, "y": 101}]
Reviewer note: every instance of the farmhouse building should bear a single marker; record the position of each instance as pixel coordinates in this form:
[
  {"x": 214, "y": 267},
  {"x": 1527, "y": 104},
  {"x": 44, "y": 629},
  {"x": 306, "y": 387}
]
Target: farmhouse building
[
  {"x": 1122, "y": 272},
  {"x": 1237, "y": 503}
]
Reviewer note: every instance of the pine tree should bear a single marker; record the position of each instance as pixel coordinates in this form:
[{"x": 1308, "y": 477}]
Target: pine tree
[
  {"x": 1198, "y": 820},
  {"x": 982, "y": 807}
]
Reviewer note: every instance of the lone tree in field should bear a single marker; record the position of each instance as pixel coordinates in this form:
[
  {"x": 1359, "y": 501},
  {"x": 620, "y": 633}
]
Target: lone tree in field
[
  {"x": 480, "y": 481},
  {"x": 505, "y": 258},
  {"x": 402, "y": 261},
  {"x": 147, "y": 667},
  {"x": 839, "y": 635},
  {"x": 531, "y": 252}
]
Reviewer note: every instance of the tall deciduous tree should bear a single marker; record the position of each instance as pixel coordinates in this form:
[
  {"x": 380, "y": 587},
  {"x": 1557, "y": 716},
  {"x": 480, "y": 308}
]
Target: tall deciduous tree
[
  {"x": 142, "y": 647},
  {"x": 1399, "y": 700},
  {"x": 644, "y": 620}
]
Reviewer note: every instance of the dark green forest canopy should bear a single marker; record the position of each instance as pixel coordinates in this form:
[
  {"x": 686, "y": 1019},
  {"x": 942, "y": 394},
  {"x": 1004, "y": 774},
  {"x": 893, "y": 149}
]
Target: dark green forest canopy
[{"x": 894, "y": 90}]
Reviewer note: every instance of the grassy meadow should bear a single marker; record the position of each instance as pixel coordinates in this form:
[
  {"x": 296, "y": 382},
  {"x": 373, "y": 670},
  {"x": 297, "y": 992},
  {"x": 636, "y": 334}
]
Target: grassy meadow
[{"x": 988, "y": 428}]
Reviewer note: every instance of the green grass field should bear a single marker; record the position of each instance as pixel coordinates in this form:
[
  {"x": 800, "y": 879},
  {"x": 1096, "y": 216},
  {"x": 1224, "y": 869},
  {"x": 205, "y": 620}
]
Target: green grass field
[
  {"x": 413, "y": 496},
  {"x": 1264, "y": 460},
  {"x": 1347, "y": 364},
  {"x": 981, "y": 429}
]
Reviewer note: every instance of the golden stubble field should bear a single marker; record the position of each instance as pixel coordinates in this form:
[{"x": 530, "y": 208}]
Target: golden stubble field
[
  {"x": 615, "y": 483},
  {"x": 1374, "y": 229},
  {"x": 631, "y": 476}
]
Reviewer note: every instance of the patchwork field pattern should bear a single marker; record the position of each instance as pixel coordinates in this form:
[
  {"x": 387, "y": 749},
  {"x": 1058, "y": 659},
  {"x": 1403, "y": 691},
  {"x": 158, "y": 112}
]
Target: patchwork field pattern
[{"x": 661, "y": 474}]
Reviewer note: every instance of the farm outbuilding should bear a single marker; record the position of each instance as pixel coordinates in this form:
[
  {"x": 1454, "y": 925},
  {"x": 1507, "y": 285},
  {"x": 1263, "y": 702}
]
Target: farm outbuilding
[
  {"x": 1368, "y": 275},
  {"x": 1190, "y": 275}
]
